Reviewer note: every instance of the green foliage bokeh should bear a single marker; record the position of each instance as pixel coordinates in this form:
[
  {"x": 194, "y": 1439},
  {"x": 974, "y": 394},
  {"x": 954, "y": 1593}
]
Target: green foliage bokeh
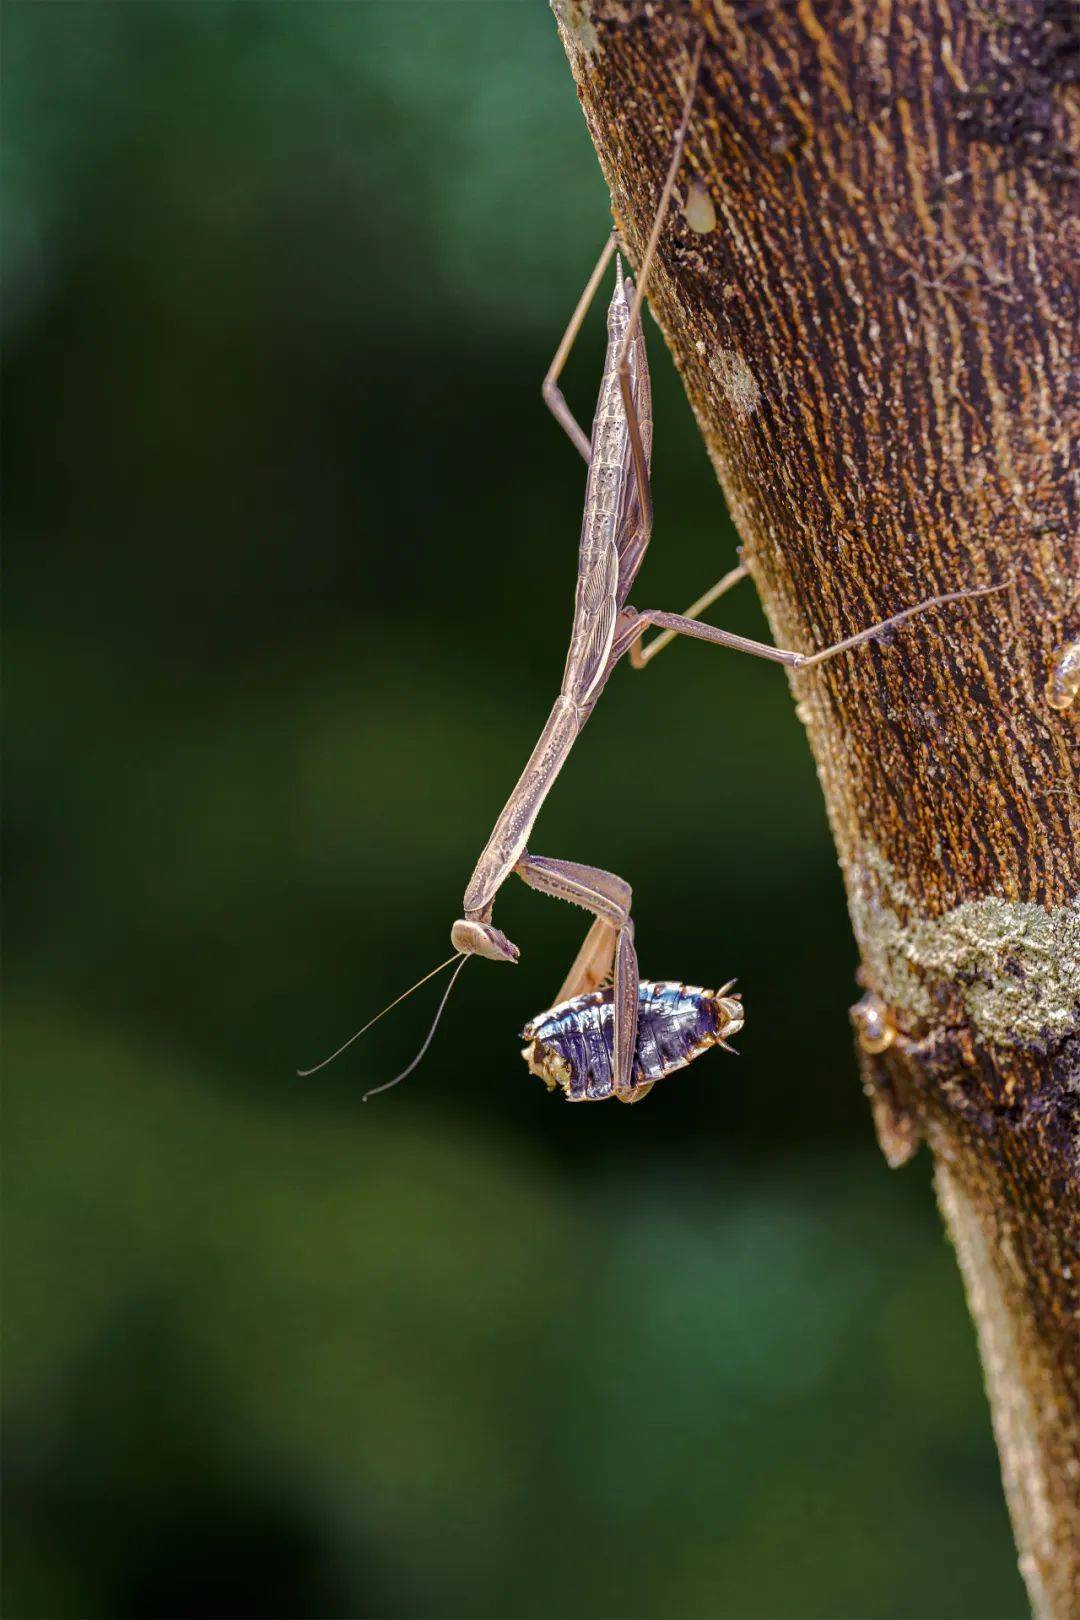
[{"x": 291, "y": 548}]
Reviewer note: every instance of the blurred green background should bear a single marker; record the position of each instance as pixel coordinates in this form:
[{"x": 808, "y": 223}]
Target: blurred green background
[{"x": 291, "y": 546}]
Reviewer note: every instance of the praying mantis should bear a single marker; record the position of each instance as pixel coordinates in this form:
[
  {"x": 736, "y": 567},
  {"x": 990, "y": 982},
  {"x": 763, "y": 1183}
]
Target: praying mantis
[{"x": 615, "y": 533}]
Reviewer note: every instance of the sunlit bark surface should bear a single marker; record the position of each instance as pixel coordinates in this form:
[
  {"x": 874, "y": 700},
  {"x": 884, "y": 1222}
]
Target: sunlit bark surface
[{"x": 871, "y": 299}]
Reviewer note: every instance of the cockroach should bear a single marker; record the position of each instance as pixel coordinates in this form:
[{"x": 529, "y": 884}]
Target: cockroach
[{"x": 572, "y": 1046}]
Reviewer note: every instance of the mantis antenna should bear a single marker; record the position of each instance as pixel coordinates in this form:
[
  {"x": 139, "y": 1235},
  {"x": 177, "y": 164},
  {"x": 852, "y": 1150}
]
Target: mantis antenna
[
  {"x": 374, "y": 1092},
  {"x": 303, "y": 1073}
]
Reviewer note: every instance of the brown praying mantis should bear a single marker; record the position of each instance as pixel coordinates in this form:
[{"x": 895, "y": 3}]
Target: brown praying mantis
[{"x": 615, "y": 532}]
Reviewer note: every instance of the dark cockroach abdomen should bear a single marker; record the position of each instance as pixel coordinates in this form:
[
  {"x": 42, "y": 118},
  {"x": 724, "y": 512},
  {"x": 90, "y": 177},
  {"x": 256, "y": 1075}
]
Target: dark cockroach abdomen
[{"x": 571, "y": 1045}]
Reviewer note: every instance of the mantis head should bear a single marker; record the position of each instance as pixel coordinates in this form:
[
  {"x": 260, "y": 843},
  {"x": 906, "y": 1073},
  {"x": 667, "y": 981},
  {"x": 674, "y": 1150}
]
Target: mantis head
[{"x": 474, "y": 938}]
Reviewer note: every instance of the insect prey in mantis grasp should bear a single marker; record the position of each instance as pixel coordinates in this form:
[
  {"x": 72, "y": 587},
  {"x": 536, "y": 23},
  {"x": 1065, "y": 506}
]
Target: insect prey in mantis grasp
[
  {"x": 573, "y": 1045},
  {"x": 615, "y": 532}
]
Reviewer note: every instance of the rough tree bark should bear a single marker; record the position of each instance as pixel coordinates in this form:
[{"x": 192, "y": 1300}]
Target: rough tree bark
[{"x": 876, "y": 338}]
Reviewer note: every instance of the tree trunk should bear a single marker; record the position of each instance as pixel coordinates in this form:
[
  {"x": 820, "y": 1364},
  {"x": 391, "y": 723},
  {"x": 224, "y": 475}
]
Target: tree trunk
[{"x": 873, "y": 322}]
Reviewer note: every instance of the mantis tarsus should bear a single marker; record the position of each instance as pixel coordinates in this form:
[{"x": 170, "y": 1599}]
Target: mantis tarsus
[{"x": 615, "y": 533}]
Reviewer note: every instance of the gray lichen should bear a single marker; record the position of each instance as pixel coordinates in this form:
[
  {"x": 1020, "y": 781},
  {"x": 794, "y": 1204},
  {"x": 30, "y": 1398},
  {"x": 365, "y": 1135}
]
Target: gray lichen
[
  {"x": 575, "y": 20},
  {"x": 740, "y": 386},
  {"x": 1014, "y": 965}
]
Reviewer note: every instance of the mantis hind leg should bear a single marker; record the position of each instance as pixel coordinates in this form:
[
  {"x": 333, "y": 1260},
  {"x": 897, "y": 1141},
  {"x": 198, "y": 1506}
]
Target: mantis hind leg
[
  {"x": 641, "y": 464},
  {"x": 552, "y": 393},
  {"x": 608, "y": 897}
]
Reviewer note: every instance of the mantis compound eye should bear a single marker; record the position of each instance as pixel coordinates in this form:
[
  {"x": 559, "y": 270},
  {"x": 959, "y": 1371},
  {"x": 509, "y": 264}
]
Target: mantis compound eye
[{"x": 482, "y": 939}]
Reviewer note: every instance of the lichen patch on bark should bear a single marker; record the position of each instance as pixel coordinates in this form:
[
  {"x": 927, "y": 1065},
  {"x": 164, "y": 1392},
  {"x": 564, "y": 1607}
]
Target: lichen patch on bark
[
  {"x": 741, "y": 388},
  {"x": 575, "y": 17},
  {"x": 1015, "y": 965}
]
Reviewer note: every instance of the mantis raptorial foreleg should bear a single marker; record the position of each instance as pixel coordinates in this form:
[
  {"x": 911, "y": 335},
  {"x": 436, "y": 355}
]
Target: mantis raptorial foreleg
[{"x": 608, "y": 897}]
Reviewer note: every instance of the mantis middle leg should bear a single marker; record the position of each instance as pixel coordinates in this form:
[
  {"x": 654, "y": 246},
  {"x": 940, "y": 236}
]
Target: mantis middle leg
[
  {"x": 640, "y": 655},
  {"x": 678, "y": 624}
]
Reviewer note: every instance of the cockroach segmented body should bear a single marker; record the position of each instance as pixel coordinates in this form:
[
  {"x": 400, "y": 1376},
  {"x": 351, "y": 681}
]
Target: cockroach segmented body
[{"x": 572, "y": 1045}]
